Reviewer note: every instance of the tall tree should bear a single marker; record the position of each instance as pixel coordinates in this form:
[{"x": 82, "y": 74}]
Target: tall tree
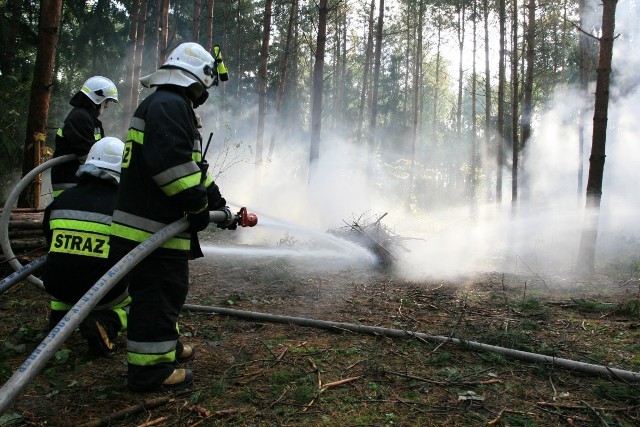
[
  {"x": 417, "y": 84},
  {"x": 515, "y": 89},
  {"x": 282, "y": 84},
  {"x": 373, "y": 115},
  {"x": 318, "y": 82},
  {"x": 197, "y": 11},
  {"x": 366, "y": 71},
  {"x": 487, "y": 82},
  {"x": 586, "y": 256},
  {"x": 502, "y": 17},
  {"x": 209, "y": 45},
  {"x": 142, "y": 19},
  {"x": 262, "y": 79},
  {"x": 130, "y": 84},
  {"x": 527, "y": 104},
  {"x": 41, "y": 86}
]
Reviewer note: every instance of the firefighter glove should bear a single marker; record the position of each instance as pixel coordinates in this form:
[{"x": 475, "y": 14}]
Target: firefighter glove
[{"x": 198, "y": 221}]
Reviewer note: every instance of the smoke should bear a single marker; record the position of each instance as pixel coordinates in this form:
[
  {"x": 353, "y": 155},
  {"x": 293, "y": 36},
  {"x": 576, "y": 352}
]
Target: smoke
[{"x": 541, "y": 237}]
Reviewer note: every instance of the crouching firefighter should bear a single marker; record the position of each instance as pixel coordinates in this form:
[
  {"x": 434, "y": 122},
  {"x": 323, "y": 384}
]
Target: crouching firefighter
[
  {"x": 77, "y": 225},
  {"x": 163, "y": 180}
]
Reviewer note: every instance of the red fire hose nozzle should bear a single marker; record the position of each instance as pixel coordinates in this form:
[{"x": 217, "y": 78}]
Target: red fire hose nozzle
[{"x": 246, "y": 219}]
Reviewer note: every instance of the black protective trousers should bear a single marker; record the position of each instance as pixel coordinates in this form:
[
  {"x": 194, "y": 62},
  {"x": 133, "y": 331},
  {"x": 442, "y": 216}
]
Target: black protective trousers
[{"x": 158, "y": 287}]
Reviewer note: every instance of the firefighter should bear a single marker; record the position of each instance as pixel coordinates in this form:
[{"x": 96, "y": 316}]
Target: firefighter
[
  {"x": 77, "y": 227},
  {"x": 81, "y": 129},
  {"x": 164, "y": 178}
]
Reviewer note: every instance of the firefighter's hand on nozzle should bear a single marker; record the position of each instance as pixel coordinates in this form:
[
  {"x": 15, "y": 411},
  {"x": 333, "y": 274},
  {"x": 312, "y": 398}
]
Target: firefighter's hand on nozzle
[
  {"x": 198, "y": 221},
  {"x": 231, "y": 223}
]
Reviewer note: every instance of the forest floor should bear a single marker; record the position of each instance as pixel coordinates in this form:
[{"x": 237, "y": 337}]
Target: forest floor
[{"x": 262, "y": 373}]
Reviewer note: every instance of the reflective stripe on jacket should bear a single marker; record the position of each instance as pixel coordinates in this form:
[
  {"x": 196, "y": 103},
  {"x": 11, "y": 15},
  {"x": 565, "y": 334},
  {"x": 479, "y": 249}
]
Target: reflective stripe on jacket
[
  {"x": 80, "y": 131},
  {"x": 160, "y": 180}
]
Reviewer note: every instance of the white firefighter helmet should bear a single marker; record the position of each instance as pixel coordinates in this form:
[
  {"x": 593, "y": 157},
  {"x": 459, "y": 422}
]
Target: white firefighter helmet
[
  {"x": 99, "y": 89},
  {"x": 106, "y": 154},
  {"x": 187, "y": 64}
]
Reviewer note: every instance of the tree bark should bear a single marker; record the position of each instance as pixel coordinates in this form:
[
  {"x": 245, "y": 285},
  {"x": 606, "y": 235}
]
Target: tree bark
[
  {"x": 586, "y": 260},
  {"x": 366, "y": 70},
  {"x": 514, "y": 107},
  {"x": 417, "y": 85},
  {"x": 142, "y": 19},
  {"x": 501, "y": 95},
  {"x": 48, "y": 34},
  {"x": 197, "y": 10},
  {"x": 210, "y": 25},
  {"x": 373, "y": 116},
  {"x": 527, "y": 104},
  {"x": 318, "y": 69},
  {"x": 131, "y": 86},
  {"x": 488, "y": 131},
  {"x": 262, "y": 79},
  {"x": 284, "y": 65}
]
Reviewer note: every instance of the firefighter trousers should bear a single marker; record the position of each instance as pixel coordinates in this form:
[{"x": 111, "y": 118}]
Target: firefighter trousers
[{"x": 158, "y": 286}]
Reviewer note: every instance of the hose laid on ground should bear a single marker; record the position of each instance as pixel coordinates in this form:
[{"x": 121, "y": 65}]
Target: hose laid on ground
[
  {"x": 58, "y": 335},
  {"x": 571, "y": 365},
  {"x": 21, "y": 273},
  {"x": 5, "y": 244}
]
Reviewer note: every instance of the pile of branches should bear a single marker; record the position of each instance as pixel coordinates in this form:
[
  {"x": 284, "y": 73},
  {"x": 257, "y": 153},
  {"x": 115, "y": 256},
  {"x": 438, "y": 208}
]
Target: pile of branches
[{"x": 372, "y": 234}]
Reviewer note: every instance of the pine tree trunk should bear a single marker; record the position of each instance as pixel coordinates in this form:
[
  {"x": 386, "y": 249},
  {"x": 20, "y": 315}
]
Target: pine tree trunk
[
  {"x": 210, "y": 25},
  {"x": 366, "y": 71},
  {"x": 501, "y": 95},
  {"x": 142, "y": 19},
  {"x": 282, "y": 85},
  {"x": 262, "y": 79},
  {"x": 586, "y": 257},
  {"x": 373, "y": 115},
  {"x": 48, "y": 34},
  {"x": 131, "y": 85},
  {"x": 527, "y": 105},
  {"x": 318, "y": 71},
  {"x": 197, "y": 10},
  {"x": 514, "y": 106},
  {"x": 488, "y": 131},
  {"x": 417, "y": 85}
]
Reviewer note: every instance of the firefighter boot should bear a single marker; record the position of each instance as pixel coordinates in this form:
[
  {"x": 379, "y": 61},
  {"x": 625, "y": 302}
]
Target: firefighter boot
[
  {"x": 185, "y": 352},
  {"x": 179, "y": 378},
  {"x": 97, "y": 337}
]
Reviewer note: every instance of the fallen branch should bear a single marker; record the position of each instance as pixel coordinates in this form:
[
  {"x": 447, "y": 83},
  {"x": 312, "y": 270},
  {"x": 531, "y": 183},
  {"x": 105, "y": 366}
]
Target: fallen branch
[{"x": 147, "y": 404}]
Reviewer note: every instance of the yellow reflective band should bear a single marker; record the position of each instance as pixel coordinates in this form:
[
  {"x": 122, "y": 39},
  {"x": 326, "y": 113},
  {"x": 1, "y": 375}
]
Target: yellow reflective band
[
  {"x": 151, "y": 359},
  {"x": 196, "y": 156},
  {"x": 136, "y": 235},
  {"x": 56, "y": 193},
  {"x": 60, "y": 306},
  {"x": 135, "y": 136},
  {"x": 78, "y": 243},
  {"x": 59, "y": 133},
  {"x": 97, "y": 136},
  {"x": 182, "y": 184},
  {"x": 208, "y": 180},
  {"x": 77, "y": 225}
]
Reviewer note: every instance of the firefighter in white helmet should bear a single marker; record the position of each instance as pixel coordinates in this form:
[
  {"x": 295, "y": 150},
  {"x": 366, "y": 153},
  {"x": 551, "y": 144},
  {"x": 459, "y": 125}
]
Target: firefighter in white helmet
[
  {"x": 77, "y": 225},
  {"x": 81, "y": 129},
  {"x": 164, "y": 178}
]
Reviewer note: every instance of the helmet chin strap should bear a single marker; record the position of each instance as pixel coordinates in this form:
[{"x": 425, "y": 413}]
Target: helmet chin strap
[{"x": 101, "y": 107}]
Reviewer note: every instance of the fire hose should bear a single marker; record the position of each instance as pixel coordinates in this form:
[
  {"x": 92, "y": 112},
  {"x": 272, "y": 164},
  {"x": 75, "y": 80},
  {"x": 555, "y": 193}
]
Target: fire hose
[
  {"x": 59, "y": 334},
  {"x": 572, "y": 365},
  {"x": 5, "y": 244}
]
